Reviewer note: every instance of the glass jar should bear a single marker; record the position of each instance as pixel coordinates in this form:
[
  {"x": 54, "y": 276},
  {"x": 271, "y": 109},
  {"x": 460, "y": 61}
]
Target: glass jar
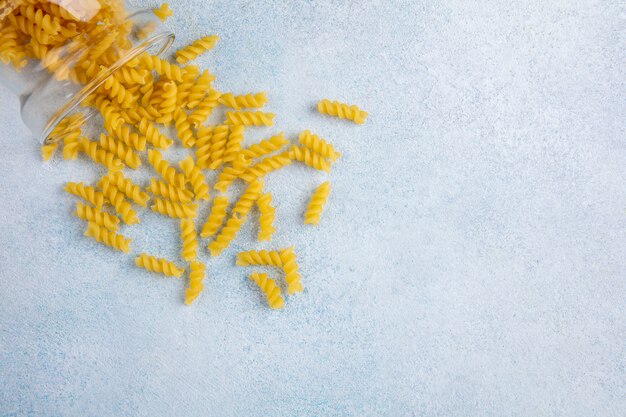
[{"x": 55, "y": 53}]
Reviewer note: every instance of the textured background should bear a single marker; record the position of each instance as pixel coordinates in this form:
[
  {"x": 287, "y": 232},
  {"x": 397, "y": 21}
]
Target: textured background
[{"x": 472, "y": 260}]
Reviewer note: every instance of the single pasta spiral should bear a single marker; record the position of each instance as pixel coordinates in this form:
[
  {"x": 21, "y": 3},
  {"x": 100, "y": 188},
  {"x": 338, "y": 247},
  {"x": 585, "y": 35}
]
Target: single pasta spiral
[
  {"x": 231, "y": 173},
  {"x": 174, "y": 210},
  {"x": 218, "y": 145},
  {"x": 342, "y": 111},
  {"x": 265, "y": 147},
  {"x": 196, "y": 276},
  {"x": 265, "y": 166},
  {"x": 196, "y": 179},
  {"x": 183, "y": 128},
  {"x": 203, "y": 146},
  {"x": 158, "y": 265},
  {"x": 129, "y": 189},
  {"x": 102, "y": 235},
  {"x": 115, "y": 90},
  {"x": 163, "y": 189},
  {"x": 87, "y": 193},
  {"x": 162, "y": 67},
  {"x": 163, "y": 12},
  {"x": 152, "y": 134},
  {"x": 96, "y": 216},
  {"x": 216, "y": 217},
  {"x": 316, "y": 204},
  {"x": 184, "y": 88},
  {"x": 318, "y": 145},
  {"x": 163, "y": 168},
  {"x": 188, "y": 237},
  {"x": 132, "y": 139},
  {"x": 233, "y": 145},
  {"x": 204, "y": 108},
  {"x": 248, "y": 198},
  {"x": 292, "y": 276},
  {"x": 228, "y": 233},
  {"x": 121, "y": 150},
  {"x": 309, "y": 158},
  {"x": 262, "y": 257},
  {"x": 71, "y": 146},
  {"x": 266, "y": 217},
  {"x": 131, "y": 76},
  {"x": 269, "y": 289},
  {"x": 112, "y": 119},
  {"x": 250, "y": 118},
  {"x": 200, "y": 88},
  {"x": 168, "y": 105},
  {"x": 48, "y": 150},
  {"x": 99, "y": 155},
  {"x": 103, "y": 45},
  {"x": 198, "y": 47},
  {"x": 248, "y": 101},
  {"x": 117, "y": 200}
]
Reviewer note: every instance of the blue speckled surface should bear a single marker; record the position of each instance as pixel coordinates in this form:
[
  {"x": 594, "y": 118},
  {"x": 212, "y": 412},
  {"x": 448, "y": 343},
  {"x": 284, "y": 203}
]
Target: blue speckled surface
[{"x": 472, "y": 260}]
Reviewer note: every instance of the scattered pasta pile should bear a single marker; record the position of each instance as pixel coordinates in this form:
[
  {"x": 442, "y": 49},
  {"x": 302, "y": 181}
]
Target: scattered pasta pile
[{"x": 139, "y": 101}]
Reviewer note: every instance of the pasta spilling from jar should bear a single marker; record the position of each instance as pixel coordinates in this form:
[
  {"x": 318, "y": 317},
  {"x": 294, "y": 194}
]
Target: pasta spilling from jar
[{"x": 149, "y": 106}]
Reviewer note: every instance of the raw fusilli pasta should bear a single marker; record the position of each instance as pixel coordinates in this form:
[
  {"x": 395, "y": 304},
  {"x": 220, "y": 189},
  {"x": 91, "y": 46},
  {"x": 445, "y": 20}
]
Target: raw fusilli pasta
[
  {"x": 196, "y": 178},
  {"x": 316, "y": 204},
  {"x": 292, "y": 276},
  {"x": 188, "y": 237},
  {"x": 169, "y": 191},
  {"x": 266, "y": 217},
  {"x": 309, "y": 158},
  {"x": 342, "y": 111},
  {"x": 163, "y": 168},
  {"x": 106, "y": 237},
  {"x": 174, "y": 210},
  {"x": 96, "y": 216},
  {"x": 318, "y": 145},
  {"x": 196, "y": 276},
  {"x": 87, "y": 193},
  {"x": 216, "y": 217},
  {"x": 249, "y": 118},
  {"x": 262, "y": 257},
  {"x": 158, "y": 265},
  {"x": 163, "y": 11},
  {"x": 248, "y": 101},
  {"x": 269, "y": 289},
  {"x": 198, "y": 47}
]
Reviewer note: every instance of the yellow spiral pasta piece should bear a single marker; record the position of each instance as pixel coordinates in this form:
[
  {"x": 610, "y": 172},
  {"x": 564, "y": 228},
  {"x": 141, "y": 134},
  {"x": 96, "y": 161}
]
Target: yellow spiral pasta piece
[
  {"x": 106, "y": 237},
  {"x": 184, "y": 88},
  {"x": 204, "y": 108},
  {"x": 127, "y": 188},
  {"x": 290, "y": 266},
  {"x": 121, "y": 150},
  {"x": 316, "y": 204},
  {"x": 116, "y": 91},
  {"x": 87, "y": 193},
  {"x": 168, "y": 105},
  {"x": 48, "y": 150},
  {"x": 131, "y": 76},
  {"x": 265, "y": 166},
  {"x": 42, "y": 20},
  {"x": 103, "y": 45},
  {"x": 96, "y": 216},
  {"x": 163, "y": 11},
  {"x": 309, "y": 158},
  {"x": 248, "y": 198},
  {"x": 218, "y": 145},
  {"x": 174, "y": 210},
  {"x": 246, "y": 101},
  {"x": 231, "y": 173},
  {"x": 71, "y": 145},
  {"x": 342, "y": 111},
  {"x": 175, "y": 194},
  {"x": 188, "y": 237},
  {"x": 117, "y": 200},
  {"x": 163, "y": 168},
  {"x": 152, "y": 134},
  {"x": 269, "y": 289},
  {"x": 204, "y": 136},
  {"x": 132, "y": 139},
  {"x": 196, "y": 276},
  {"x": 318, "y": 145},
  {"x": 99, "y": 155},
  {"x": 266, "y": 217},
  {"x": 183, "y": 128},
  {"x": 233, "y": 145},
  {"x": 200, "y": 89},
  {"x": 30, "y": 28},
  {"x": 197, "y": 47},
  {"x": 196, "y": 179},
  {"x": 162, "y": 67},
  {"x": 228, "y": 233},
  {"x": 249, "y": 118},
  {"x": 265, "y": 147},
  {"x": 112, "y": 119},
  {"x": 261, "y": 257},
  {"x": 216, "y": 217},
  {"x": 158, "y": 265}
]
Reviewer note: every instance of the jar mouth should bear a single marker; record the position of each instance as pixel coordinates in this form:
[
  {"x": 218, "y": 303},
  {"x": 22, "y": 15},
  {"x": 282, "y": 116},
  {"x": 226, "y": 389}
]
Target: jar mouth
[{"x": 160, "y": 42}]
